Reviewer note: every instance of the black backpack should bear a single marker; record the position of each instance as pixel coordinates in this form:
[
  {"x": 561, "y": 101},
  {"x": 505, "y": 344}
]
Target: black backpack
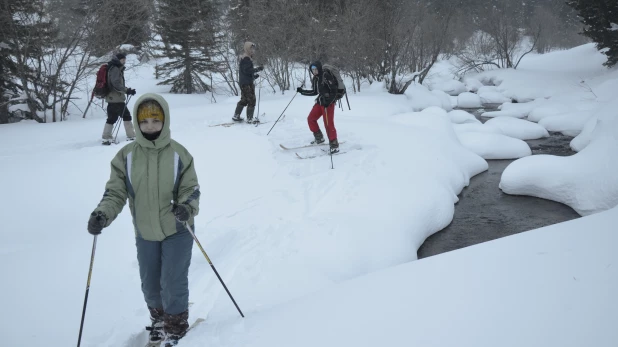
[{"x": 333, "y": 71}]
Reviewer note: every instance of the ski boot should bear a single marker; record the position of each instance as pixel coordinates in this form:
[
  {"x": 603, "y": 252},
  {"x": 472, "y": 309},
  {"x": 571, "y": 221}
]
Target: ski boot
[
  {"x": 237, "y": 113},
  {"x": 250, "y": 111},
  {"x": 319, "y": 138},
  {"x": 334, "y": 146},
  {"x": 156, "y": 328},
  {"x": 175, "y": 328}
]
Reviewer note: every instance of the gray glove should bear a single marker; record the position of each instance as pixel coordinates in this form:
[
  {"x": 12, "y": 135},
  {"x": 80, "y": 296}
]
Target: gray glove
[{"x": 97, "y": 222}]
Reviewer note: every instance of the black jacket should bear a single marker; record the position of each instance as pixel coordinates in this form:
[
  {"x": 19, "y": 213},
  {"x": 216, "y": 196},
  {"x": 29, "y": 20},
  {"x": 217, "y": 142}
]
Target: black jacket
[
  {"x": 323, "y": 85},
  {"x": 246, "y": 71}
]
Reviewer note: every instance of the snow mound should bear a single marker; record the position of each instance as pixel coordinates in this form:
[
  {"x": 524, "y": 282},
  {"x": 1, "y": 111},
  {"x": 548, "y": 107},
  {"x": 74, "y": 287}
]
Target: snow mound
[
  {"x": 506, "y": 113},
  {"x": 493, "y": 98},
  {"x": 494, "y": 146},
  {"x": 518, "y": 128},
  {"x": 460, "y": 117},
  {"x": 469, "y": 100},
  {"x": 472, "y": 84},
  {"x": 422, "y": 98},
  {"x": 570, "y": 124},
  {"x": 450, "y": 87},
  {"x": 476, "y": 127},
  {"x": 586, "y": 181}
]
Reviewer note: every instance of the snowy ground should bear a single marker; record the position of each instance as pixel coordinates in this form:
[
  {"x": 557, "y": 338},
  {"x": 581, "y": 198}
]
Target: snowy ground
[{"x": 294, "y": 240}]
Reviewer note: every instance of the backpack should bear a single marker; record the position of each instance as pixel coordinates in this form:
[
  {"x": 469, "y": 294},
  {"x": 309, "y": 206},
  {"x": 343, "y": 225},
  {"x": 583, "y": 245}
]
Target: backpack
[
  {"x": 101, "y": 89},
  {"x": 335, "y": 73}
]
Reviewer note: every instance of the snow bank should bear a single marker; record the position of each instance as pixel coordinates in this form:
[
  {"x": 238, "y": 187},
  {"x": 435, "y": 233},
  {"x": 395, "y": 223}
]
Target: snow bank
[
  {"x": 498, "y": 293},
  {"x": 518, "y": 128},
  {"x": 570, "y": 123},
  {"x": 586, "y": 181},
  {"x": 548, "y": 109},
  {"x": 549, "y": 75}
]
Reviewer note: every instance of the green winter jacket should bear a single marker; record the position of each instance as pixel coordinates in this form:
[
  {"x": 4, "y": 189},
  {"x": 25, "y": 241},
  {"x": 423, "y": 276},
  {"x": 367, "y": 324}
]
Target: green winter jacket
[{"x": 152, "y": 174}]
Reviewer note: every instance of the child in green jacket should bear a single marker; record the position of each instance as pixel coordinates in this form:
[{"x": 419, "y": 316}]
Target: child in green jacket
[{"x": 152, "y": 172}]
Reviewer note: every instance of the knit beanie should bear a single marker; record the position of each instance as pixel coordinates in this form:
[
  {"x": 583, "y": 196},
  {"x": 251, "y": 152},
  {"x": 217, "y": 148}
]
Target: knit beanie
[
  {"x": 121, "y": 56},
  {"x": 150, "y": 109}
]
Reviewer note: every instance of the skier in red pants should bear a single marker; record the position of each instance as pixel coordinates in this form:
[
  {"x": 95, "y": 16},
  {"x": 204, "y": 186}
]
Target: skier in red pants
[{"x": 324, "y": 85}]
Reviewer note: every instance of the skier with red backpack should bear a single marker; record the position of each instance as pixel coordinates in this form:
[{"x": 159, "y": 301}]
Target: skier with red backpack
[
  {"x": 327, "y": 85},
  {"x": 111, "y": 86}
]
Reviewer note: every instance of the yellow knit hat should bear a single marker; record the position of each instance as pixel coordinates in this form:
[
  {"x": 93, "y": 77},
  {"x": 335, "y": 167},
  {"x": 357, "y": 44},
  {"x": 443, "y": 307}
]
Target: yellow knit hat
[{"x": 150, "y": 109}]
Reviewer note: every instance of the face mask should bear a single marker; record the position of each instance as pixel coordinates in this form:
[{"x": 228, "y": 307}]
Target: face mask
[{"x": 152, "y": 136}]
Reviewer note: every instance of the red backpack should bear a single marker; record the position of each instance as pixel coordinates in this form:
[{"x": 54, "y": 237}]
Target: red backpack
[{"x": 101, "y": 89}]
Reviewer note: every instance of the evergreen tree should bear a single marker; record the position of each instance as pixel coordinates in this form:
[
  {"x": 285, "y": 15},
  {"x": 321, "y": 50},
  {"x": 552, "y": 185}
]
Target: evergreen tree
[
  {"x": 8, "y": 68},
  {"x": 600, "y": 18},
  {"x": 189, "y": 33},
  {"x": 26, "y": 32}
]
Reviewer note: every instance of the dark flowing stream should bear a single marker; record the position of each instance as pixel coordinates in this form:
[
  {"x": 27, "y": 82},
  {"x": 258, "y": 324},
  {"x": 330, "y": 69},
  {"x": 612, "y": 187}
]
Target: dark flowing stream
[{"x": 485, "y": 213}]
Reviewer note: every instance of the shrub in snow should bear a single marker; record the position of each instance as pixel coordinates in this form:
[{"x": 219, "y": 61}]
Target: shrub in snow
[{"x": 472, "y": 84}]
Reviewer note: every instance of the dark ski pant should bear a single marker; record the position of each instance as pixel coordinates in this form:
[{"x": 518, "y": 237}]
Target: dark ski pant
[
  {"x": 164, "y": 271},
  {"x": 115, "y": 110},
  {"x": 247, "y": 96},
  {"x": 329, "y": 120}
]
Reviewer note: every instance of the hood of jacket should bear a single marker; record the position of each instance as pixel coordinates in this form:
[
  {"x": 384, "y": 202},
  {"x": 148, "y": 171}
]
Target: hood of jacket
[
  {"x": 116, "y": 62},
  {"x": 247, "y": 50},
  {"x": 319, "y": 65},
  {"x": 165, "y": 136}
]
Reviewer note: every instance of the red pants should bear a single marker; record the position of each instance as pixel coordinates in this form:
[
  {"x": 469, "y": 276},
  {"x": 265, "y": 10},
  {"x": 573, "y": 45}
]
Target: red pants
[{"x": 329, "y": 120}]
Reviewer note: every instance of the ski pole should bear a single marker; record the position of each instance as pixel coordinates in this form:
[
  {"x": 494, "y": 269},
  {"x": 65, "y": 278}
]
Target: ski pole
[
  {"x": 213, "y": 268},
  {"x": 259, "y": 93},
  {"x": 332, "y": 166},
  {"x": 81, "y": 326},
  {"x": 281, "y": 114},
  {"x": 122, "y": 116},
  {"x": 348, "y": 101}
]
